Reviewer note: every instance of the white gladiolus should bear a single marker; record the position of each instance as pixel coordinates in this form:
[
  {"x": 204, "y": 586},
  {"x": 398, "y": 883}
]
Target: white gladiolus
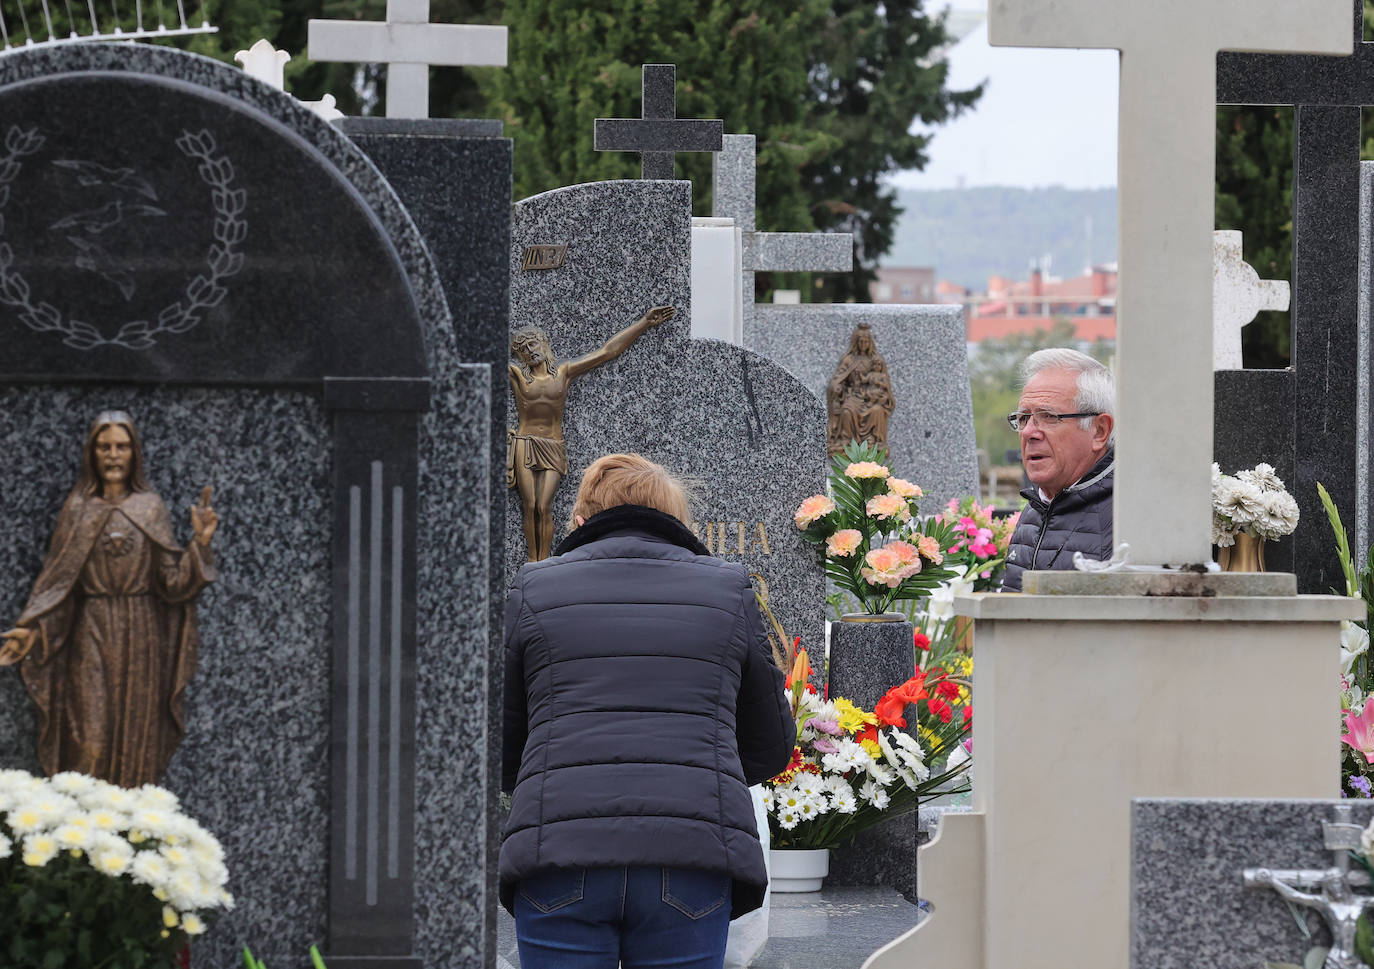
[{"x": 1354, "y": 643}]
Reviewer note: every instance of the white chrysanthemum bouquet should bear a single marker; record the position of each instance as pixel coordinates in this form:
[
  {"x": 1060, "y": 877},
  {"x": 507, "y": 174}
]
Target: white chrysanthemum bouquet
[
  {"x": 852, "y": 768},
  {"x": 97, "y": 875},
  {"x": 1254, "y": 502}
]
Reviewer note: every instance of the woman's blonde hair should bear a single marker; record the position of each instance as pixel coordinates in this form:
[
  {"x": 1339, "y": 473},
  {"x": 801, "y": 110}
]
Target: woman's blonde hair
[{"x": 630, "y": 479}]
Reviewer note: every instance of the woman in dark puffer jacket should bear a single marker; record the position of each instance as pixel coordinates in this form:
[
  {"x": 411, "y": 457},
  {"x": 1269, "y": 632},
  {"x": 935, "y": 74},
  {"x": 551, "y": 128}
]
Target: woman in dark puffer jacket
[{"x": 641, "y": 703}]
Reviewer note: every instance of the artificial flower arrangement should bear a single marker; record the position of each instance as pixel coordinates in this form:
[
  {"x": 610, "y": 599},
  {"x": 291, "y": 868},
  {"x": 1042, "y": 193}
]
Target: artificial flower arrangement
[
  {"x": 1357, "y": 672},
  {"x": 873, "y": 543},
  {"x": 1254, "y": 502},
  {"x": 853, "y": 768},
  {"x": 981, "y": 546},
  {"x": 97, "y": 875}
]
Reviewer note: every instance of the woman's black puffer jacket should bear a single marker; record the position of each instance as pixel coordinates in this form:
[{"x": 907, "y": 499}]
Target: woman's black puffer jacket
[{"x": 641, "y": 702}]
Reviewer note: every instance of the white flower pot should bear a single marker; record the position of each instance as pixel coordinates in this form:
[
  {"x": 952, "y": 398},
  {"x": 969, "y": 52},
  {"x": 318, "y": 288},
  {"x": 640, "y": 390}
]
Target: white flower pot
[{"x": 798, "y": 869}]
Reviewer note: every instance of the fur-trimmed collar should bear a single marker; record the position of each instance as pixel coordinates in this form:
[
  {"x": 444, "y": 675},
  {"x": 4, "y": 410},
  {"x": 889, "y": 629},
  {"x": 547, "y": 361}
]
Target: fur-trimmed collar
[{"x": 632, "y": 518}]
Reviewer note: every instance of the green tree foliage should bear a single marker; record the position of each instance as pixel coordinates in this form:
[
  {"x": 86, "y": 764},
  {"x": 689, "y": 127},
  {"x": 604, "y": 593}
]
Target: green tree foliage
[
  {"x": 874, "y": 73},
  {"x": 1254, "y": 193},
  {"x": 829, "y": 87},
  {"x": 573, "y": 62}
]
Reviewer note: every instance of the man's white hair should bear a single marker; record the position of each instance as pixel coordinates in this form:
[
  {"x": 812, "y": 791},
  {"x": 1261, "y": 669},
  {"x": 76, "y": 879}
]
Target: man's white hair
[{"x": 1095, "y": 385}]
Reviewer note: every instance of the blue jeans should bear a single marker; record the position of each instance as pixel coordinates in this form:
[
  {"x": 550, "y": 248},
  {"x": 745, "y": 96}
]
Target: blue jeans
[{"x": 596, "y": 918}]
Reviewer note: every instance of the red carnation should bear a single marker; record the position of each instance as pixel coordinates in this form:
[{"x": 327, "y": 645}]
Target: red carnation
[
  {"x": 947, "y": 689},
  {"x": 921, "y": 640},
  {"x": 941, "y": 709},
  {"x": 968, "y": 714}
]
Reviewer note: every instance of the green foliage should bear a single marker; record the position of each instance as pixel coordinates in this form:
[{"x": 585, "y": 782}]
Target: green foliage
[
  {"x": 249, "y": 962},
  {"x": 1254, "y": 194},
  {"x": 65, "y": 915},
  {"x": 872, "y": 76},
  {"x": 829, "y": 89}
]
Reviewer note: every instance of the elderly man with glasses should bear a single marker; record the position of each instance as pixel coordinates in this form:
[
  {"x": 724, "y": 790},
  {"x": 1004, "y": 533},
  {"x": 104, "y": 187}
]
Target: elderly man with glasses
[{"x": 1067, "y": 436}]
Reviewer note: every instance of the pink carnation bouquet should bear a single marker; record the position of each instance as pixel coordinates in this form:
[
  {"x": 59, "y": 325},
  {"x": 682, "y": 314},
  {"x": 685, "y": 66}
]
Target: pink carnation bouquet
[
  {"x": 982, "y": 540},
  {"x": 869, "y": 531}
]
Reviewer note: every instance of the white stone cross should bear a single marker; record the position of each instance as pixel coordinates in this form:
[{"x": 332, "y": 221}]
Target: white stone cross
[
  {"x": 732, "y": 197},
  {"x": 1166, "y": 147},
  {"x": 1237, "y": 295},
  {"x": 268, "y": 64},
  {"x": 408, "y": 44}
]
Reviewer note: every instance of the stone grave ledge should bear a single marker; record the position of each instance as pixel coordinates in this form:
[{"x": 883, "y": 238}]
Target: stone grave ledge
[{"x": 1159, "y": 596}]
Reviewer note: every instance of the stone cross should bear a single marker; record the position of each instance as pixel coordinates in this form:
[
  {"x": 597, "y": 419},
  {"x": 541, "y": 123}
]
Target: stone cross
[
  {"x": 1237, "y": 295},
  {"x": 658, "y": 134},
  {"x": 1327, "y": 365},
  {"x": 732, "y": 197},
  {"x": 409, "y": 45},
  {"x": 1166, "y": 146},
  {"x": 267, "y": 64}
]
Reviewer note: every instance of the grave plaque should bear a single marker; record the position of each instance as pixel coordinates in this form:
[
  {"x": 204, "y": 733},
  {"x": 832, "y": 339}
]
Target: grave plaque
[{"x": 183, "y": 243}]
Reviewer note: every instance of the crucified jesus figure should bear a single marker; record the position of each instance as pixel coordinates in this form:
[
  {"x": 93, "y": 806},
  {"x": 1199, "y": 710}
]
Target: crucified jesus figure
[{"x": 537, "y": 459}]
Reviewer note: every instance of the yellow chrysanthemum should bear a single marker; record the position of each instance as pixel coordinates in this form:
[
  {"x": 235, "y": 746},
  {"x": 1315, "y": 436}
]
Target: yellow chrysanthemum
[
  {"x": 874, "y": 750},
  {"x": 170, "y": 917},
  {"x": 852, "y": 719}
]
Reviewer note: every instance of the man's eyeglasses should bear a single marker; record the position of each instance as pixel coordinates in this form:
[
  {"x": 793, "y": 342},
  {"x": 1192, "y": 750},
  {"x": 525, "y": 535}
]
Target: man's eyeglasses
[{"x": 1020, "y": 420}]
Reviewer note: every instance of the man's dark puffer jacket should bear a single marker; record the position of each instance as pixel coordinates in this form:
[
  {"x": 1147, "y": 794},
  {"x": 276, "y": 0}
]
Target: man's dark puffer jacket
[
  {"x": 641, "y": 702},
  {"x": 1078, "y": 519}
]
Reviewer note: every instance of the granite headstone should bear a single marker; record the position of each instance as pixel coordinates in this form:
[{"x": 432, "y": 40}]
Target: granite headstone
[
  {"x": 747, "y": 430},
  {"x": 1189, "y": 904},
  {"x": 279, "y": 331},
  {"x": 1327, "y": 94},
  {"x": 930, "y": 434},
  {"x": 454, "y": 178}
]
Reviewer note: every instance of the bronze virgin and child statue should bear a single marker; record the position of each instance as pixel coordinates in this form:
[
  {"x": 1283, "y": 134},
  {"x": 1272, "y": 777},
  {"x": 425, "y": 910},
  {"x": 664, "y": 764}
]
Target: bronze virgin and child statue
[
  {"x": 859, "y": 400},
  {"x": 108, "y": 639},
  {"x": 537, "y": 459}
]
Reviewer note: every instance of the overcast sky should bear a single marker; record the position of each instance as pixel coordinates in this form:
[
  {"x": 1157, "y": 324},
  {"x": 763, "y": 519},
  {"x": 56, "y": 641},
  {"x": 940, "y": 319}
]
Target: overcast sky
[{"x": 1047, "y": 117}]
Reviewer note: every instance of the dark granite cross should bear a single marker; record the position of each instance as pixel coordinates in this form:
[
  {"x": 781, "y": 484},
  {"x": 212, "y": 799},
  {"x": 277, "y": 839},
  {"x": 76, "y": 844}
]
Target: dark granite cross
[
  {"x": 658, "y": 134},
  {"x": 1316, "y": 415}
]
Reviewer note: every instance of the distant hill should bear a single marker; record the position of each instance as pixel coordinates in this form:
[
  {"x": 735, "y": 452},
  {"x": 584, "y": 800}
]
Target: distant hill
[{"x": 971, "y": 233}]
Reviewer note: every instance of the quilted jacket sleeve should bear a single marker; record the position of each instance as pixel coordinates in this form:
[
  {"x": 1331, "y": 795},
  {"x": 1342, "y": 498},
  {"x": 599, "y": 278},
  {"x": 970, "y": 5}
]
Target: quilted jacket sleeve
[
  {"x": 764, "y": 726},
  {"x": 516, "y": 725}
]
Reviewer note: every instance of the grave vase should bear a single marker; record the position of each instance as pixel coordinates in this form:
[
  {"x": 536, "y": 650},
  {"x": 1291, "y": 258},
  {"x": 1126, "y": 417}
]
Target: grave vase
[
  {"x": 798, "y": 869},
  {"x": 1247, "y": 555},
  {"x": 869, "y": 655}
]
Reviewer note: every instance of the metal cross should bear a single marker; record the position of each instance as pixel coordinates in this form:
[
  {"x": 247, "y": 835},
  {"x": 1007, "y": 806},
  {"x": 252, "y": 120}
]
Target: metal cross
[
  {"x": 408, "y": 44},
  {"x": 658, "y": 134}
]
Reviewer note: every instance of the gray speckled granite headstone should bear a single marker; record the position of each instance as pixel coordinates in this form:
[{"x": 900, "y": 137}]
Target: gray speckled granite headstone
[
  {"x": 1327, "y": 94},
  {"x": 736, "y": 421},
  {"x": 1189, "y": 907},
  {"x": 930, "y": 434},
  {"x": 255, "y": 763}
]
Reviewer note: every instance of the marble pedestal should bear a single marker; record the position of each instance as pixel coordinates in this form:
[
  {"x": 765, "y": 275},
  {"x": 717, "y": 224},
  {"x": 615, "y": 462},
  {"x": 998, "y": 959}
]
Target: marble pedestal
[{"x": 1087, "y": 701}]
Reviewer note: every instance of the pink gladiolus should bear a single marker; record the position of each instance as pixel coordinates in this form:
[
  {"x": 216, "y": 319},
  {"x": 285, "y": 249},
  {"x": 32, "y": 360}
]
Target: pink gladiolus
[{"x": 1361, "y": 735}]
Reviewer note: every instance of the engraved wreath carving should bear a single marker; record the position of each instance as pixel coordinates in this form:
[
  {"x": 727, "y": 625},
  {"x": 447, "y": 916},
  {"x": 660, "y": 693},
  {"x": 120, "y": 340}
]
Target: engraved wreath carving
[{"x": 206, "y": 291}]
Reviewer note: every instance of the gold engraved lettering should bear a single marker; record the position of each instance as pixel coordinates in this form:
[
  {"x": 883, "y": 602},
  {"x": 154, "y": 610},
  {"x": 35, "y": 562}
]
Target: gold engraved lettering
[
  {"x": 760, "y": 539},
  {"x": 739, "y": 526},
  {"x": 543, "y": 257}
]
